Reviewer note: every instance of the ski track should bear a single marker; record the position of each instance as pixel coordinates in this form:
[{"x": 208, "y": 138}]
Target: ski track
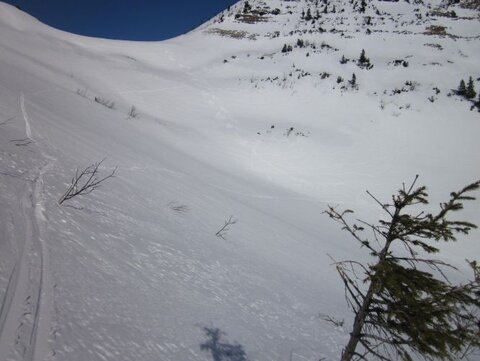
[
  {"x": 25, "y": 308},
  {"x": 28, "y": 129},
  {"x": 41, "y": 328}
]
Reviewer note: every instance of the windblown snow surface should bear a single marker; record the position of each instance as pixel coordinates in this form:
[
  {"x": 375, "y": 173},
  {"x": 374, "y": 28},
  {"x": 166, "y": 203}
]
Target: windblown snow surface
[{"x": 227, "y": 125}]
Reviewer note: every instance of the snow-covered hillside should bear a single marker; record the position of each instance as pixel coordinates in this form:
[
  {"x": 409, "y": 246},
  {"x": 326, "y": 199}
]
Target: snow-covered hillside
[{"x": 225, "y": 124}]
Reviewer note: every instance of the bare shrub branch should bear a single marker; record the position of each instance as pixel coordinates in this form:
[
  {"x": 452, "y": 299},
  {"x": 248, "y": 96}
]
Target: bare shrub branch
[
  {"x": 82, "y": 92},
  {"x": 105, "y": 102},
  {"x": 336, "y": 322},
  {"x": 22, "y": 142},
  {"x": 133, "y": 112},
  {"x": 8, "y": 120},
  {"x": 222, "y": 232},
  {"x": 85, "y": 181},
  {"x": 178, "y": 208}
]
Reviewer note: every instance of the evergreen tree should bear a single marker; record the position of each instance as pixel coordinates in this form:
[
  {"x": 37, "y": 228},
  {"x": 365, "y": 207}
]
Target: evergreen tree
[
  {"x": 308, "y": 17},
  {"x": 363, "y": 61},
  {"x": 286, "y": 48},
  {"x": 353, "y": 81},
  {"x": 462, "y": 89},
  {"x": 363, "y": 58},
  {"x": 470, "y": 91},
  {"x": 247, "y": 7},
  {"x": 363, "y": 6},
  {"x": 404, "y": 304}
]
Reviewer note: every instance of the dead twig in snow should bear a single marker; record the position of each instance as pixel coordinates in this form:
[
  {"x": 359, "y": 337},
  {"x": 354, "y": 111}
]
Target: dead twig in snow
[
  {"x": 222, "y": 232},
  {"x": 85, "y": 182}
]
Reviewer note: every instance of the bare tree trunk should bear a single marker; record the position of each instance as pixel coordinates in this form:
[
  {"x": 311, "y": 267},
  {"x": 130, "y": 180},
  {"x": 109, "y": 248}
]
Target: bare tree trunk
[
  {"x": 355, "y": 335},
  {"x": 363, "y": 312}
]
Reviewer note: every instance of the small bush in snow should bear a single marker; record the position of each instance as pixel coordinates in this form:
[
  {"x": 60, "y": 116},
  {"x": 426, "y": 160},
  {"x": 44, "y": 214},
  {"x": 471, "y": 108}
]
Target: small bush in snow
[
  {"x": 105, "y": 102},
  {"x": 82, "y": 92},
  {"x": 435, "y": 30},
  {"x": 178, "y": 208},
  {"x": 324, "y": 75},
  {"x": 133, "y": 112},
  {"x": 222, "y": 232},
  {"x": 85, "y": 182},
  {"x": 287, "y": 48}
]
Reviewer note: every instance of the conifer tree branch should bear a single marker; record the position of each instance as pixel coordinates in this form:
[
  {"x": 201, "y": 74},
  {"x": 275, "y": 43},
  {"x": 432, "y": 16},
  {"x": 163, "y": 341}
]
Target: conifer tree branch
[{"x": 405, "y": 310}]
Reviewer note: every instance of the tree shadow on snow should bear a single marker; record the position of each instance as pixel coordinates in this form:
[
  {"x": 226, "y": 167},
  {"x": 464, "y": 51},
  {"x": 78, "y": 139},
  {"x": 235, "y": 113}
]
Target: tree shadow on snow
[{"x": 221, "y": 350}]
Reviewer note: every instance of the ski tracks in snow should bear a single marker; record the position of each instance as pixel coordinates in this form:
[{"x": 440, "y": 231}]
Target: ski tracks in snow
[
  {"x": 41, "y": 329},
  {"x": 25, "y": 308},
  {"x": 28, "y": 128}
]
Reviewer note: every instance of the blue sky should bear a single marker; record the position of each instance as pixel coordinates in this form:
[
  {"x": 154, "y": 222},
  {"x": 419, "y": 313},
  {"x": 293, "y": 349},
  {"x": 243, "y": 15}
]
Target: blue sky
[{"x": 124, "y": 19}]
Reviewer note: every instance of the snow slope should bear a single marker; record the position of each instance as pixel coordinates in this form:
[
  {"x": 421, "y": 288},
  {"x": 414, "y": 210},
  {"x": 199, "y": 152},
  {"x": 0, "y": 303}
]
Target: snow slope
[{"x": 134, "y": 270}]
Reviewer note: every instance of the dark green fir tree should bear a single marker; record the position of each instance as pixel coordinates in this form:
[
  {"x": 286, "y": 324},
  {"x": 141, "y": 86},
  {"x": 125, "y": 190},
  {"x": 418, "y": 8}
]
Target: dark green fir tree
[
  {"x": 404, "y": 305},
  {"x": 286, "y": 48},
  {"x": 247, "y": 7},
  {"x": 470, "y": 92},
  {"x": 353, "y": 82},
  {"x": 308, "y": 16},
  {"x": 363, "y": 6},
  {"x": 462, "y": 89},
  {"x": 363, "y": 61},
  {"x": 363, "y": 58}
]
